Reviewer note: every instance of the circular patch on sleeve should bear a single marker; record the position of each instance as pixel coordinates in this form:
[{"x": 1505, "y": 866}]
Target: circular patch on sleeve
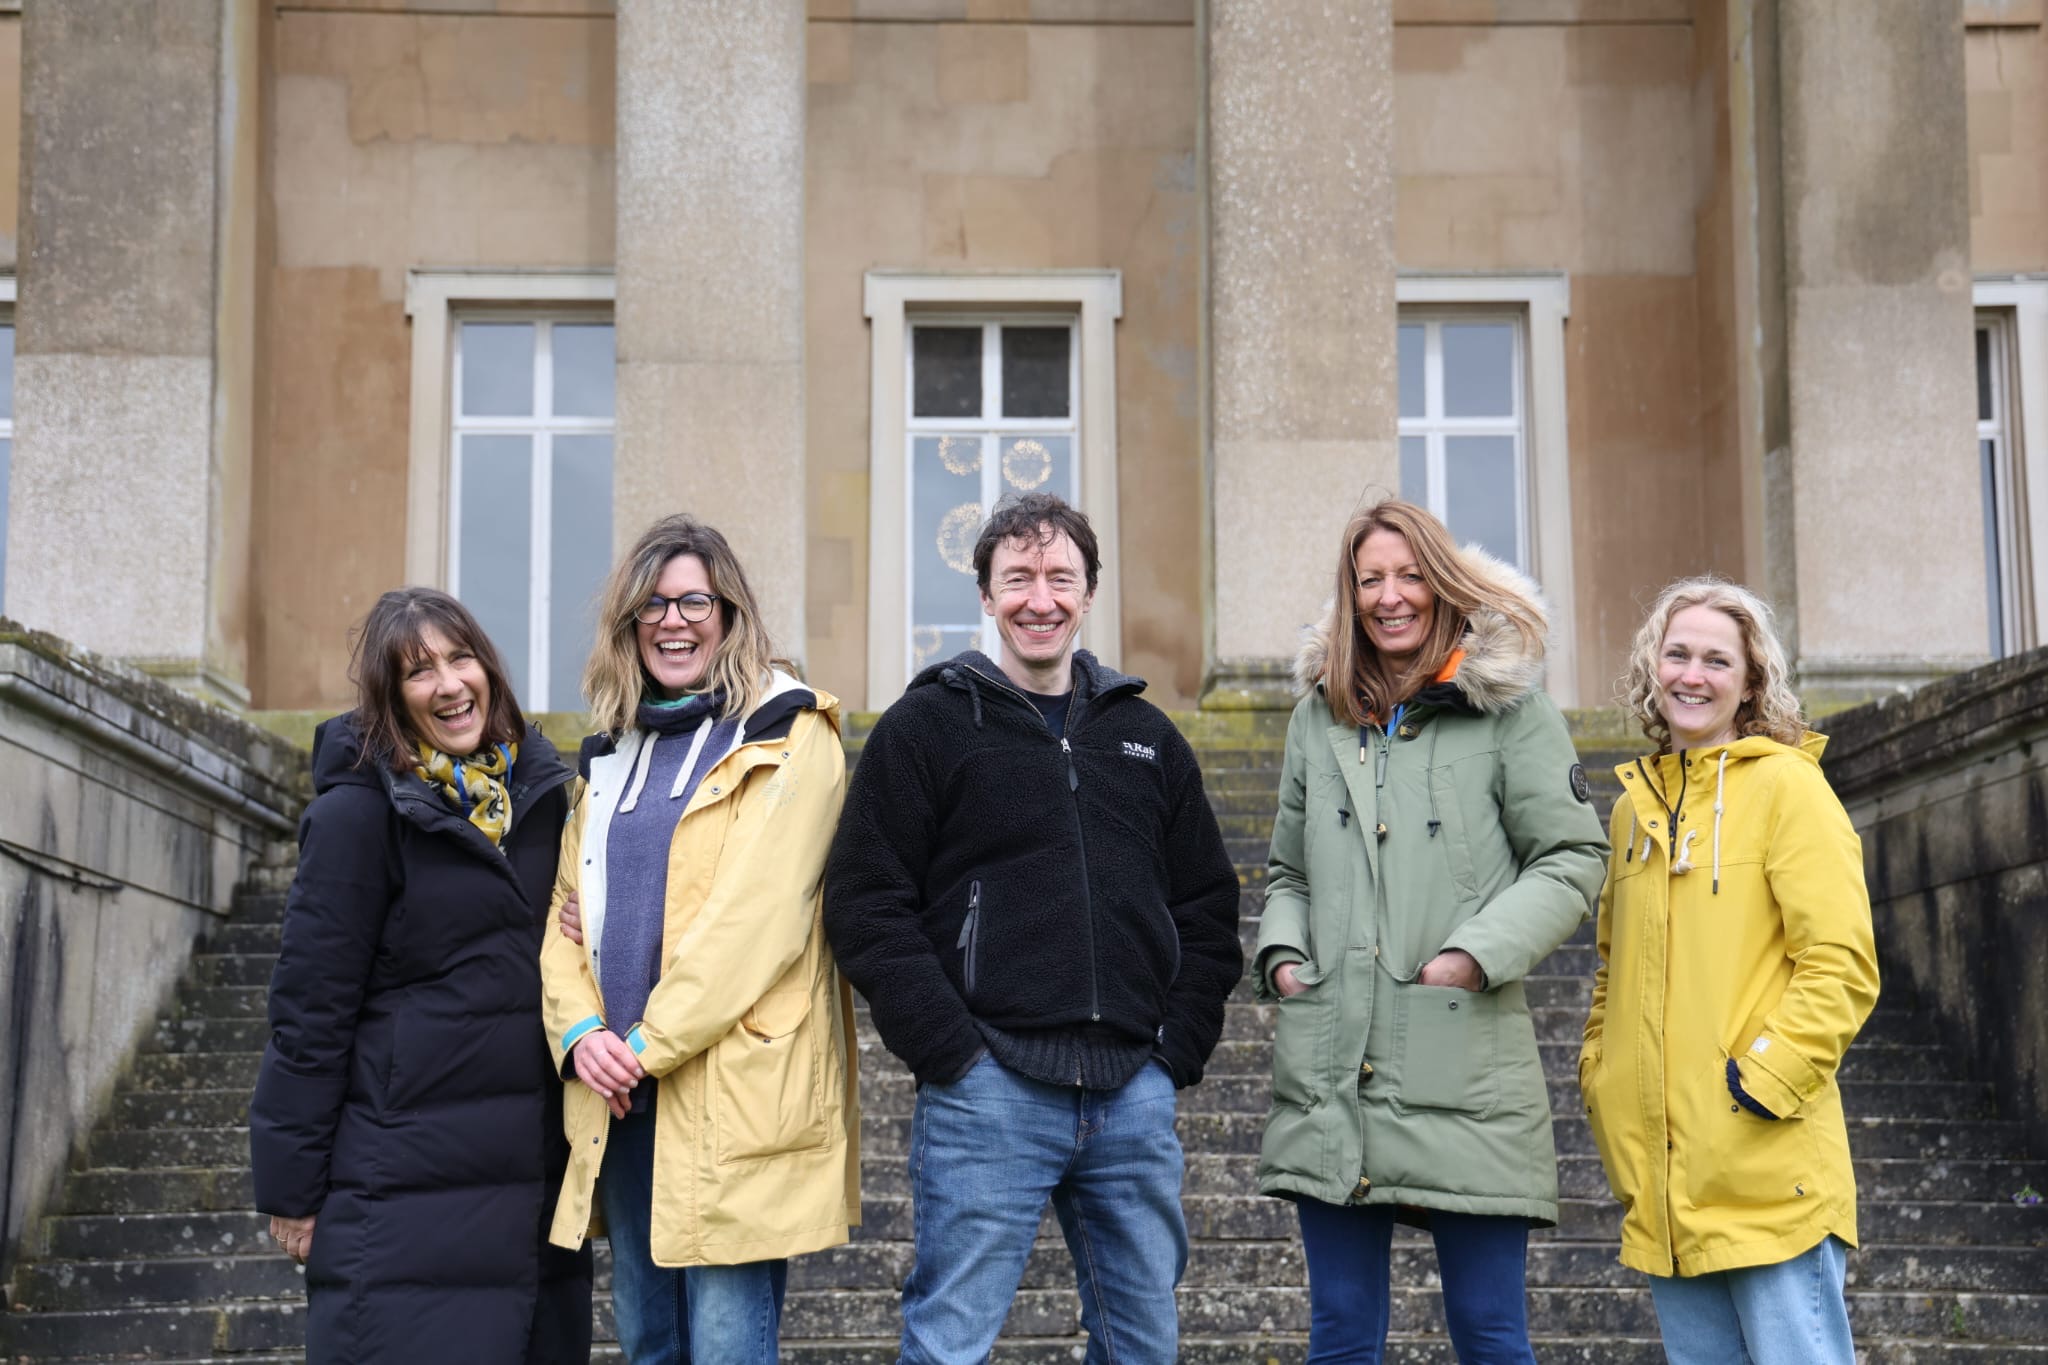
[{"x": 1581, "y": 788}]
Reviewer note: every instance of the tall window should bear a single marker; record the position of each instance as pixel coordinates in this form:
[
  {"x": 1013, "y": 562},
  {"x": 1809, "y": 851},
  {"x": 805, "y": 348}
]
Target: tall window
[
  {"x": 6, "y": 436},
  {"x": 2005, "y": 569},
  {"x": 1463, "y": 427},
  {"x": 530, "y": 490},
  {"x": 992, "y": 412}
]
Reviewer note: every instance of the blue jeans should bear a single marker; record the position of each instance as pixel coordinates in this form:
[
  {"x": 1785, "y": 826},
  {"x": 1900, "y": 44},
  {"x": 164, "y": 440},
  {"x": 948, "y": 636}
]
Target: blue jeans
[
  {"x": 1484, "y": 1264},
  {"x": 986, "y": 1152},
  {"x": 710, "y": 1314},
  {"x": 1791, "y": 1313}
]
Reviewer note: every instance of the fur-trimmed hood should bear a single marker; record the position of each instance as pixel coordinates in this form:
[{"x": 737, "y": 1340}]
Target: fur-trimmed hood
[{"x": 1499, "y": 667}]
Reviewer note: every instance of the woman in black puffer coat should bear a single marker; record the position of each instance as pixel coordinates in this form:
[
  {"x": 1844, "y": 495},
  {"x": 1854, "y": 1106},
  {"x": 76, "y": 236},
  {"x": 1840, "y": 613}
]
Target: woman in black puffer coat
[{"x": 406, "y": 1130}]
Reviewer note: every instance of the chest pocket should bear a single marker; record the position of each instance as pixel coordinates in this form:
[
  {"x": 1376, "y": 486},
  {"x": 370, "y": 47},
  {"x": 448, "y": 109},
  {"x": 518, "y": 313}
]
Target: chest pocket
[{"x": 1450, "y": 786}]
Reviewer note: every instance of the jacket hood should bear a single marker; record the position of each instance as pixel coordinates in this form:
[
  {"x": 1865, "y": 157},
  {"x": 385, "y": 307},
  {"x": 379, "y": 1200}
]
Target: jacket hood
[
  {"x": 1499, "y": 667},
  {"x": 786, "y": 698},
  {"x": 968, "y": 670}
]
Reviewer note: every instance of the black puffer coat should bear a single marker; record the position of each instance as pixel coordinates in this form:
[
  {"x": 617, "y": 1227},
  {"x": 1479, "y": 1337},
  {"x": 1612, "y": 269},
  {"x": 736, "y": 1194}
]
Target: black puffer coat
[{"x": 406, "y": 1096}]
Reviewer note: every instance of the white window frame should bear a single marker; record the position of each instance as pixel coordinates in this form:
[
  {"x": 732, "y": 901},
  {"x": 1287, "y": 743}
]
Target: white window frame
[
  {"x": 2022, "y": 303},
  {"x": 541, "y": 433},
  {"x": 7, "y": 283},
  {"x": 893, "y": 300},
  {"x": 1435, "y": 430},
  {"x": 433, "y": 298},
  {"x": 1544, "y": 302},
  {"x": 987, "y": 431}
]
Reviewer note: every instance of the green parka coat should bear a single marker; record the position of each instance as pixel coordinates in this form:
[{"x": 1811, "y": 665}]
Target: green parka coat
[{"x": 1468, "y": 827}]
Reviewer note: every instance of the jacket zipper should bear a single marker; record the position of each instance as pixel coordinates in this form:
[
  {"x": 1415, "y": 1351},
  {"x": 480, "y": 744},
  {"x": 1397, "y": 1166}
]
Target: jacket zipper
[
  {"x": 1087, "y": 892},
  {"x": 1080, "y": 836},
  {"x": 970, "y": 934}
]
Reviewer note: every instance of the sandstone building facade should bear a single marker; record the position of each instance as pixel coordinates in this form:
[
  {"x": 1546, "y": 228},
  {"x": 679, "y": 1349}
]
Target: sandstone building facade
[{"x": 311, "y": 299}]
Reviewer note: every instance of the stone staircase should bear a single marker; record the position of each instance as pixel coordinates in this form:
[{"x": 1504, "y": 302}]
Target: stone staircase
[{"x": 154, "y": 1253}]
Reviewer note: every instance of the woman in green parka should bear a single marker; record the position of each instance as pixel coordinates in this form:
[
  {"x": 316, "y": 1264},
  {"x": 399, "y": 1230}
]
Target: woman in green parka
[{"x": 1434, "y": 843}]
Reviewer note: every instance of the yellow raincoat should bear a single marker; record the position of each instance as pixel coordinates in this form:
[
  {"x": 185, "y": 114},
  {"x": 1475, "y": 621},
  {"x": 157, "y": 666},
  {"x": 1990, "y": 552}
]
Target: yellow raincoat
[
  {"x": 750, "y": 1027},
  {"x": 1752, "y": 942}
]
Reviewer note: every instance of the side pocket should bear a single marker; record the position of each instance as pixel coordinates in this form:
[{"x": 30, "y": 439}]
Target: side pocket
[
  {"x": 970, "y": 936},
  {"x": 766, "y": 1084},
  {"x": 1300, "y": 1043},
  {"x": 1449, "y": 1041}
]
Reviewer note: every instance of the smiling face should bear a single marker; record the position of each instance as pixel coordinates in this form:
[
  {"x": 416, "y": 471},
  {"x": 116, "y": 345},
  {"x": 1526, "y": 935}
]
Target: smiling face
[
  {"x": 1038, "y": 593},
  {"x": 1702, "y": 677},
  {"x": 677, "y": 653},
  {"x": 447, "y": 695},
  {"x": 1394, "y": 603}
]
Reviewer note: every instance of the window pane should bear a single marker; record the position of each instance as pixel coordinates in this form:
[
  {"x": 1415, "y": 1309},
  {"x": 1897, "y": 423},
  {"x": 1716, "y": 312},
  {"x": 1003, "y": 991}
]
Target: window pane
[
  {"x": 497, "y": 544},
  {"x": 580, "y": 551},
  {"x": 1983, "y": 374},
  {"x": 497, "y": 369},
  {"x": 1035, "y": 371},
  {"x": 6, "y": 480},
  {"x": 7, "y": 373},
  {"x": 1987, "y": 461},
  {"x": 1479, "y": 494},
  {"x": 946, "y": 516},
  {"x": 1410, "y": 343},
  {"x": 945, "y": 372},
  {"x": 1479, "y": 369},
  {"x": 584, "y": 361},
  {"x": 1038, "y": 464},
  {"x": 1415, "y": 469}
]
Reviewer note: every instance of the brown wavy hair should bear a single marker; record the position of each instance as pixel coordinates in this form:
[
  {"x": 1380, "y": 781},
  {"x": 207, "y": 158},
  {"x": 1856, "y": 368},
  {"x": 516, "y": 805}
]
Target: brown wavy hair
[
  {"x": 390, "y": 639},
  {"x": 1357, "y": 681},
  {"x": 615, "y": 680},
  {"x": 1773, "y": 707}
]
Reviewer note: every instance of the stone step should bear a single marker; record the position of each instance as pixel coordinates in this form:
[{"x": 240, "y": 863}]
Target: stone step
[
  {"x": 76, "y": 1237},
  {"x": 1238, "y": 1217},
  {"x": 180, "y": 1109},
  {"x": 224, "y": 1002},
  {"x": 230, "y": 969},
  {"x": 189, "y": 1331},
  {"x": 260, "y": 1273},
  {"x": 246, "y": 936},
  {"x": 892, "y": 1092},
  {"x": 202, "y": 1035}
]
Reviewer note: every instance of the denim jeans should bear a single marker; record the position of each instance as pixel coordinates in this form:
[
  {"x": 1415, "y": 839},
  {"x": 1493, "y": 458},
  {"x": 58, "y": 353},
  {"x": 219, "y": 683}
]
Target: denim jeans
[
  {"x": 986, "y": 1152},
  {"x": 1483, "y": 1262},
  {"x": 708, "y": 1314},
  {"x": 1791, "y": 1313}
]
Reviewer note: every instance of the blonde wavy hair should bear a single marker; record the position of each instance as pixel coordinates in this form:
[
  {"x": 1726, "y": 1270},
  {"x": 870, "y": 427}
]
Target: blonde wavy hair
[
  {"x": 614, "y": 679},
  {"x": 1375, "y": 683},
  {"x": 1772, "y": 708}
]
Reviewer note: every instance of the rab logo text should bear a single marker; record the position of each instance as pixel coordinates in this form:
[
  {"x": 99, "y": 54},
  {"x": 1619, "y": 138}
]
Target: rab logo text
[{"x": 1133, "y": 749}]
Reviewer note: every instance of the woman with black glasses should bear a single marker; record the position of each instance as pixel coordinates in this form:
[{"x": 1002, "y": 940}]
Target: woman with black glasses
[{"x": 697, "y": 1010}]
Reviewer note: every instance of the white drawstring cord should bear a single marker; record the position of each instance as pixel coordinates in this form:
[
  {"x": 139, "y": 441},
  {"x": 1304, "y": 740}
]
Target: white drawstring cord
[
  {"x": 1720, "y": 778},
  {"x": 643, "y": 759},
  {"x": 1683, "y": 864}
]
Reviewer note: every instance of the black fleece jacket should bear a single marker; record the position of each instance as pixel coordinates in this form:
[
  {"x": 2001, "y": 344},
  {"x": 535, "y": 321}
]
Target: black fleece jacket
[{"x": 988, "y": 869}]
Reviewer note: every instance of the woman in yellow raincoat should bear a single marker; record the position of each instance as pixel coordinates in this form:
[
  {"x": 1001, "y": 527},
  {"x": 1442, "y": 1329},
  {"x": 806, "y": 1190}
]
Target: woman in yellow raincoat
[{"x": 1736, "y": 966}]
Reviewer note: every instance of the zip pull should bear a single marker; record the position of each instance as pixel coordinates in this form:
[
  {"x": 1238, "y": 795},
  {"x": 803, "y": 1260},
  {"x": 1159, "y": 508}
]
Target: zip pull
[
  {"x": 1343, "y": 818},
  {"x": 1073, "y": 778},
  {"x": 973, "y": 910},
  {"x": 1379, "y": 778}
]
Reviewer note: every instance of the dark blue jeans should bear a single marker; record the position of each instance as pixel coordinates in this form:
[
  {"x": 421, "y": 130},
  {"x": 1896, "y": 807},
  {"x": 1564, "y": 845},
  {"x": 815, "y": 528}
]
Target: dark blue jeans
[
  {"x": 1484, "y": 1263},
  {"x": 707, "y": 1314}
]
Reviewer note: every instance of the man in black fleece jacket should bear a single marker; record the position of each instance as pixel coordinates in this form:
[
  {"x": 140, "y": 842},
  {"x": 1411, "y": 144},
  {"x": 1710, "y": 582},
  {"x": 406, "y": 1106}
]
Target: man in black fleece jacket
[{"x": 1031, "y": 891}]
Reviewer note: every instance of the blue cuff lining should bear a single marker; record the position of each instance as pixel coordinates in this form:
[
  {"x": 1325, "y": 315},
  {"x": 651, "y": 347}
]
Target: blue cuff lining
[
  {"x": 581, "y": 1031},
  {"x": 1742, "y": 1097},
  {"x": 635, "y": 1041}
]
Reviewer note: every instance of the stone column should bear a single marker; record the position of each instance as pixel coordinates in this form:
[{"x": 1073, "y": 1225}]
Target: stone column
[
  {"x": 1873, "y": 517},
  {"x": 1300, "y": 311},
  {"x": 710, "y": 282},
  {"x": 129, "y": 508}
]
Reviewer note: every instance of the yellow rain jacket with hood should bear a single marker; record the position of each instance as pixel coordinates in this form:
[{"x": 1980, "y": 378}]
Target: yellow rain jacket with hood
[
  {"x": 1750, "y": 940},
  {"x": 750, "y": 1027}
]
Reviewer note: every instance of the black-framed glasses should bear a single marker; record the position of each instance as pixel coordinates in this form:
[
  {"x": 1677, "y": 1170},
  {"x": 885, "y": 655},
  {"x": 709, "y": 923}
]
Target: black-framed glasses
[{"x": 691, "y": 606}]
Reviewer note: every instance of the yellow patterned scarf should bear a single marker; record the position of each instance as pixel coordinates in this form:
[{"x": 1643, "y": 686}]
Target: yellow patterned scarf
[{"x": 474, "y": 785}]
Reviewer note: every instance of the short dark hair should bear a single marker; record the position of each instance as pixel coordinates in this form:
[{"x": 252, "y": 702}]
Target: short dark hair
[
  {"x": 1035, "y": 516},
  {"x": 388, "y": 642}
]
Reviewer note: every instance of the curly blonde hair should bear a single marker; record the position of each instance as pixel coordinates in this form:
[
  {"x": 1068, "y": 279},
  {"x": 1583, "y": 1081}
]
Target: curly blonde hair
[{"x": 1772, "y": 708}]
